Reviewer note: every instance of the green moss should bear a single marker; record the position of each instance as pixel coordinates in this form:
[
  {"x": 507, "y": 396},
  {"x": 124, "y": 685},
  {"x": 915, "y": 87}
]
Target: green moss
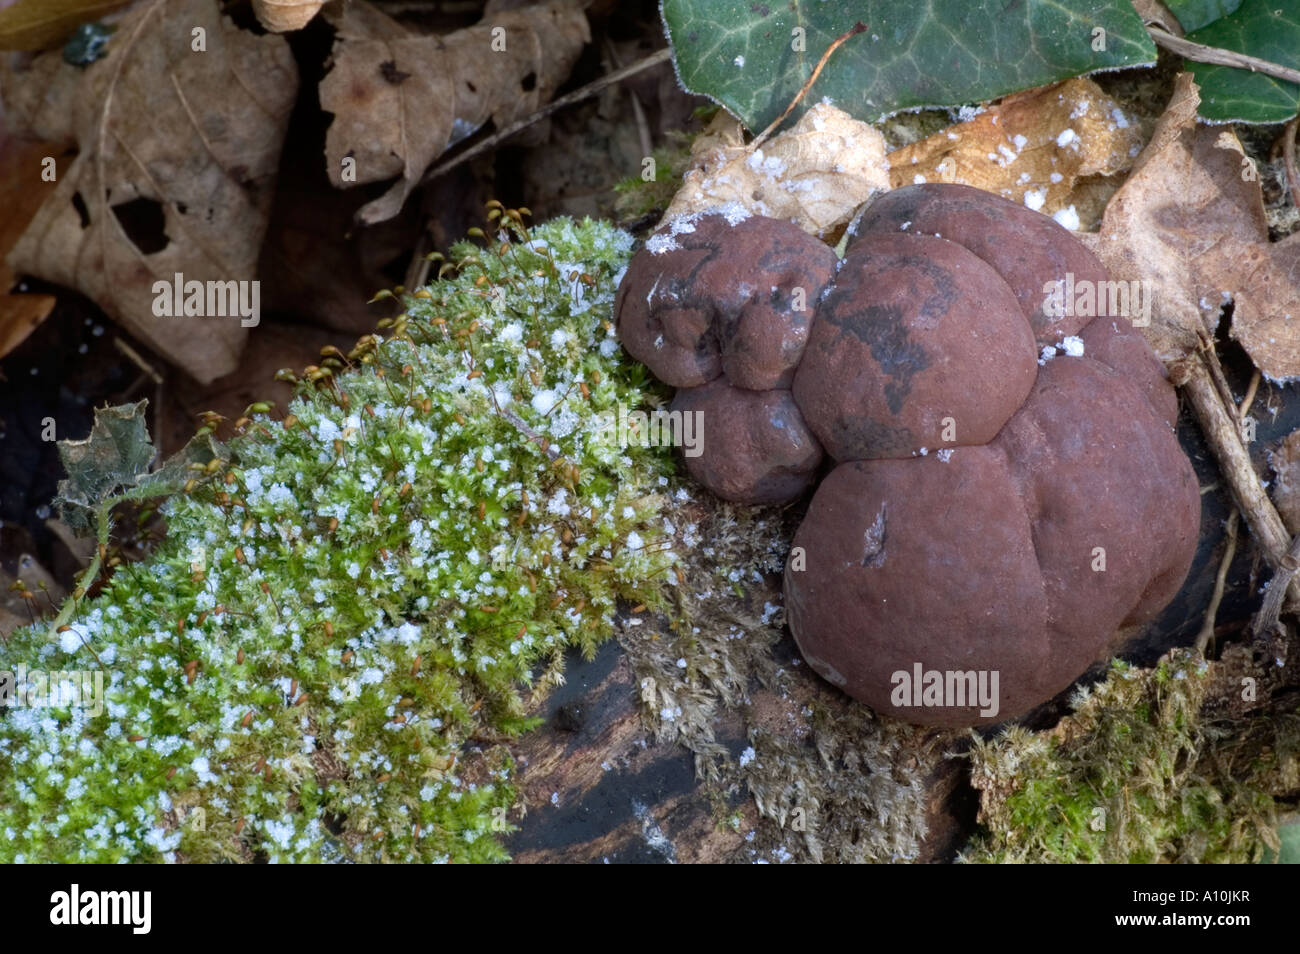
[
  {"x": 1135, "y": 774},
  {"x": 639, "y": 196},
  {"x": 320, "y": 660},
  {"x": 825, "y": 780}
]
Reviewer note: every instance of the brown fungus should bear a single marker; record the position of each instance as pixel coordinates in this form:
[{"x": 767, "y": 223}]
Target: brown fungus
[
  {"x": 919, "y": 344},
  {"x": 752, "y": 446},
  {"x": 723, "y": 292},
  {"x": 1009, "y": 491}
]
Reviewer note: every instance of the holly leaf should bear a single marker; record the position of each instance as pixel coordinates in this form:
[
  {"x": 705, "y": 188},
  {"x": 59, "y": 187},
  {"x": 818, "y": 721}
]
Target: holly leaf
[
  {"x": 754, "y": 57},
  {"x": 113, "y": 462},
  {"x": 1194, "y": 14},
  {"x": 1261, "y": 28}
]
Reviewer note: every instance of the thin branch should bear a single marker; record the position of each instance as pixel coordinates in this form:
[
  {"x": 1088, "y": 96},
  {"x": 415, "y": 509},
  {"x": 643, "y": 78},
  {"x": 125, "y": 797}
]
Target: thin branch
[
  {"x": 851, "y": 32},
  {"x": 642, "y": 125},
  {"x": 577, "y": 96},
  {"x": 1266, "y": 620},
  {"x": 1217, "y": 56},
  {"x": 1249, "y": 399},
  {"x": 1222, "y": 429},
  {"x": 1229, "y": 551}
]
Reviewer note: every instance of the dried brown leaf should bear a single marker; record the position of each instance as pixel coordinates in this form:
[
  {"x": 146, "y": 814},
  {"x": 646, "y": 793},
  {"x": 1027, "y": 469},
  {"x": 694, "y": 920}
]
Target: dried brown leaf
[
  {"x": 22, "y": 191},
  {"x": 282, "y": 16},
  {"x": 191, "y": 138},
  {"x": 40, "y": 97},
  {"x": 1190, "y": 222},
  {"x": 400, "y": 99},
  {"x": 1033, "y": 147},
  {"x": 814, "y": 174}
]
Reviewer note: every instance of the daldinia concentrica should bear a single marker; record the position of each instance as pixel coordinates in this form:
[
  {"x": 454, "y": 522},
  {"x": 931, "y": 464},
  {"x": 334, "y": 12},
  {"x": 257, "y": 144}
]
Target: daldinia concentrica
[{"x": 1004, "y": 489}]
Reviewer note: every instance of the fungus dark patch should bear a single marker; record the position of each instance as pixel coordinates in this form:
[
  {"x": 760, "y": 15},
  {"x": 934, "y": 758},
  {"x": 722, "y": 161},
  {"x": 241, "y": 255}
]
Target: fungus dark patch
[{"x": 882, "y": 329}]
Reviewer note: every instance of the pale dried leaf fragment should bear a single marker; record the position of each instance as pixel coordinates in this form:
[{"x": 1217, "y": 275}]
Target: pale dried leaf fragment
[
  {"x": 191, "y": 139},
  {"x": 400, "y": 99},
  {"x": 40, "y": 97},
  {"x": 1190, "y": 222},
  {"x": 283, "y": 16},
  {"x": 814, "y": 174},
  {"x": 1036, "y": 147}
]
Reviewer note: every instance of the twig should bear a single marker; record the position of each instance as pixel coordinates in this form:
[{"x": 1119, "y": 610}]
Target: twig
[
  {"x": 852, "y": 31},
  {"x": 1229, "y": 551},
  {"x": 577, "y": 96},
  {"x": 1222, "y": 431},
  {"x": 1288, "y": 160},
  {"x": 638, "y": 113},
  {"x": 1249, "y": 399},
  {"x": 1266, "y": 620},
  {"x": 418, "y": 271},
  {"x": 1211, "y": 355},
  {"x": 1217, "y": 56},
  {"x": 138, "y": 360},
  {"x": 87, "y": 578}
]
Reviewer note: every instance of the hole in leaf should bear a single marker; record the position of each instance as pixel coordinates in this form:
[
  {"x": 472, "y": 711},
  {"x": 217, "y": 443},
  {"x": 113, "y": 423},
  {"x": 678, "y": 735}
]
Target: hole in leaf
[
  {"x": 143, "y": 222},
  {"x": 392, "y": 74},
  {"x": 79, "y": 204}
]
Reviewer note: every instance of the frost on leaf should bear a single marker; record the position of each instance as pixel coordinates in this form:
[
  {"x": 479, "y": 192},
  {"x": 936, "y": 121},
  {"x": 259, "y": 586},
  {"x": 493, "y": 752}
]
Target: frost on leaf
[
  {"x": 114, "y": 459},
  {"x": 814, "y": 174},
  {"x": 1046, "y": 148}
]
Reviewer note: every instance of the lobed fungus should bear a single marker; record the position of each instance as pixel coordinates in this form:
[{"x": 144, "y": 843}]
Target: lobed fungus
[{"x": 1005, "y": 490}]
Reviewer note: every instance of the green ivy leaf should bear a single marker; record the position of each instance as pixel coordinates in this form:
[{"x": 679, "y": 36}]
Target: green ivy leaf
[
  {"x": 1261, "y": 28},
  {"x": 914, "y": 53},
  {"x": 114, "y": 460},
  {"x": 1194, "y": 14}
]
